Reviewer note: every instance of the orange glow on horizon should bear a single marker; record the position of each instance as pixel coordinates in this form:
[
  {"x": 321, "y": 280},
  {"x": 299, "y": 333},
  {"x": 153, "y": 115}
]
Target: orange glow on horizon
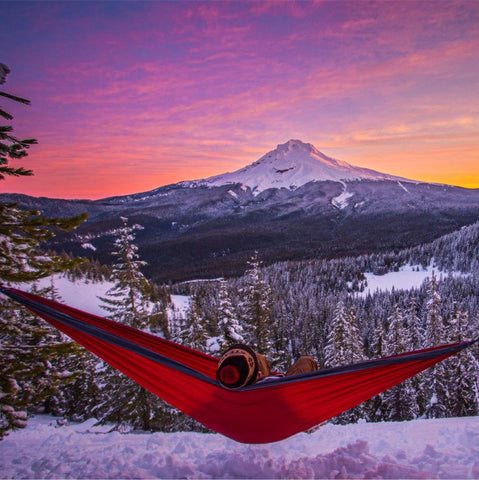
[{"x": 161, "y": 92}]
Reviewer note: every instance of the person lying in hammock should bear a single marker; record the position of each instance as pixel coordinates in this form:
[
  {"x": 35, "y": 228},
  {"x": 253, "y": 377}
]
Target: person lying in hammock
[{"x": 240, "y": 366}]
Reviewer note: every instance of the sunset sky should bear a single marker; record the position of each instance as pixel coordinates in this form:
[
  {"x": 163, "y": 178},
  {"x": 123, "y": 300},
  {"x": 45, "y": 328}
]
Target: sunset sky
[{"x": 129, "y": 96}]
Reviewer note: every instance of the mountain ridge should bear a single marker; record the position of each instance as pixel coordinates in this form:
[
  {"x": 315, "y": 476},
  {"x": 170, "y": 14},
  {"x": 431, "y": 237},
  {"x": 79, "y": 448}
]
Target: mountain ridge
[
  {"x": 291, "y": 165},
  {"x": 203, "y": 230}
]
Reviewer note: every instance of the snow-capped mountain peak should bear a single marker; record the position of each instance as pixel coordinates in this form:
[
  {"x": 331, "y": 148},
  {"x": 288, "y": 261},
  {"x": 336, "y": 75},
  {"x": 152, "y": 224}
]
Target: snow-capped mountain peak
[{"x": 291, "y": 165}]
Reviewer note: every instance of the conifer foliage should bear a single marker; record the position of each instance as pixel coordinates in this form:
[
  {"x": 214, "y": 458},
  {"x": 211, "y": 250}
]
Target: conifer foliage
[
  {"x": 400, "y": 401},
  {"x": 256, "y": 308},
  {"x": 436, "y": 377},
  {"x": 126, "y": 301},
  {"x": 344, "y": 347},
  {"x": 32, "y": 355},
  {"x": 11, "y": 147},
  {"x": 230, "y": 329},
  {"x": 123, "y": 402}
]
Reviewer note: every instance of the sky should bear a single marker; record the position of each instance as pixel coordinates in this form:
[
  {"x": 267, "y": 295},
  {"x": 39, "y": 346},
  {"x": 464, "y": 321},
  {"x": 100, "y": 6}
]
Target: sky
[{"x": 128, "y": 96}]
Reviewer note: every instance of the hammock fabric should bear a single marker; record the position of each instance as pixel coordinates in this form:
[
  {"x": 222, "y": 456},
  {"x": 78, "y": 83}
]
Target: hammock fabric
[{"x": 186, "y": 379}]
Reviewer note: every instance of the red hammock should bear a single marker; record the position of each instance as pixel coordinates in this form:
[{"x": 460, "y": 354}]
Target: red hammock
[{"x": 186, "y": 379}]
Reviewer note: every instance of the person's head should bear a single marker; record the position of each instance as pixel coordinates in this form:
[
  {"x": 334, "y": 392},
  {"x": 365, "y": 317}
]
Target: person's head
[{"x": 237, "y": 367}]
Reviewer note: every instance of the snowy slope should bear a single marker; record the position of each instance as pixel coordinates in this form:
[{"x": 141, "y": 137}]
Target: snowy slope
[
  {"x": 292, "y": 165},
  {"x": 441, "y": 448}
]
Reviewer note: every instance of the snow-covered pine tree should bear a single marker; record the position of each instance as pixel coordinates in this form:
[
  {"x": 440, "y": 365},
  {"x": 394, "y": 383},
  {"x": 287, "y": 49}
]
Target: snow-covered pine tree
[
  {"x": 414, "y": 326},
  {"x": 67, "y": 367},
  {"x": 230, "y": 330},
  {"x": 344, "y": 347},
  {"x": 12, "y": 148},
  {"x": 194, "y": 333},
  {"x": 29, "y": 346},
  {"x": 126, "y": 301},
  {"x": 256, "y": 310},
  {"x": 375, "y": 408},
  {"x": 435, "y": 378},
  {"x": 400, "y": 400},
  {"x": 415, "y": 334},
  {"x": 123, "y": 402},
  {"x": 462, "y": 370}
]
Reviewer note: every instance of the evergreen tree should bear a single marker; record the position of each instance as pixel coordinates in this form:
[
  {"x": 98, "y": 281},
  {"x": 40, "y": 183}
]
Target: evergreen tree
[
  {"x": 11, "y": 147},
  {"x": 344, "y": 344},
  {"x": 413, "y": 326},
  {"x": 415, "y": 334},
  {"x": 194, "y": 333},
  {"x": 31, "y": 352},
  {"x": 257, "y": 310},
  {"x": 462, "y": 370},
  {"x": 344, "y": 347},
  {"x": 376, "y": 408},
  {"x": 435, "y": 377},
  {"x": 126, "y": 301},
  {"x": 400, "y": 399},
  {"x": 231, "y": 331},
  {"x": 123, "y": 402}
]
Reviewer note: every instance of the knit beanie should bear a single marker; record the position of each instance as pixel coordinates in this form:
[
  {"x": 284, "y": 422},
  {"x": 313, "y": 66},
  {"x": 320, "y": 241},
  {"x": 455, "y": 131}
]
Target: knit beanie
[{"x": 238, "y": 367}]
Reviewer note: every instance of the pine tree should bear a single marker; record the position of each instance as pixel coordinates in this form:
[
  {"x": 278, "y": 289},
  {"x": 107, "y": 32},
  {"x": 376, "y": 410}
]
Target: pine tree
[
  {"x": 230, "y": 330},
  {"x": 126, "y": 301},
  {"x": 462, "y": 371},
  {"x": 435, "y": 377},
  {"x": 413, "y": 325},
  {"x": 256, "y": 310},
  {"x": 416, "y": 339},
  {"x": 344, "y": 347},
  {"x": 400, "y": 399},
  {"x": 30, "y": 350},
  {"x": 124, "y": 403},
  {"x": 193, "y": 333},
  {"x": 11, "y": 148},
  {"x": 344, "y": 344},
  {"x": 376, "y": 408}
]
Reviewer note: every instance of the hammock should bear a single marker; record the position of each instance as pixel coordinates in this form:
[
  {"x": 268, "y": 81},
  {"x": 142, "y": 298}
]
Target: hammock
[{"x": 186, "y": 379}]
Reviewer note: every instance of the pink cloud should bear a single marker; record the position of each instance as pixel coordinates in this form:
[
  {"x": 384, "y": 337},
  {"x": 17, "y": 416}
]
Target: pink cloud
[{"x": 193, "y": 89}]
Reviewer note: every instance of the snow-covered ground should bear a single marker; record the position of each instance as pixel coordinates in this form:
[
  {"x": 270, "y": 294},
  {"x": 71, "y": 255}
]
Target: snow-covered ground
[
  {"x": 409, "y": 276},
  {"x": 84, "y": 295},
  {"x": 446, "y": 448}
]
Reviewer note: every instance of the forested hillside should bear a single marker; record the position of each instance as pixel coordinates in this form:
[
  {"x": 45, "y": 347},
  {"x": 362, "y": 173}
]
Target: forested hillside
[{"x": 317, "y": 307}]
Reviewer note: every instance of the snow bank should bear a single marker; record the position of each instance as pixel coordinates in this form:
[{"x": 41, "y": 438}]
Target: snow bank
[{"x": 445, "y": 448}]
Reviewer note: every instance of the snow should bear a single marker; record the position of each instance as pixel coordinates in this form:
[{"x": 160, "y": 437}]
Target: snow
[
  {"x": 233, "y": 194},
  {"x": 83, "y": 294},
  {"x": 181, "y": 304},
  {"x": 80, "y": 294},
  {"x": 292, "y": 165},
  {"x": 409, "y": 276},
  {"x": 341, "y": 201},
  {"x": 440, "y": 448}
]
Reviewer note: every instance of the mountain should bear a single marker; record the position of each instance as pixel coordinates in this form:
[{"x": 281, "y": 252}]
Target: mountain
[
  {"x": 292, "y": 203},
  {"x": 292, "y": 165}
]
